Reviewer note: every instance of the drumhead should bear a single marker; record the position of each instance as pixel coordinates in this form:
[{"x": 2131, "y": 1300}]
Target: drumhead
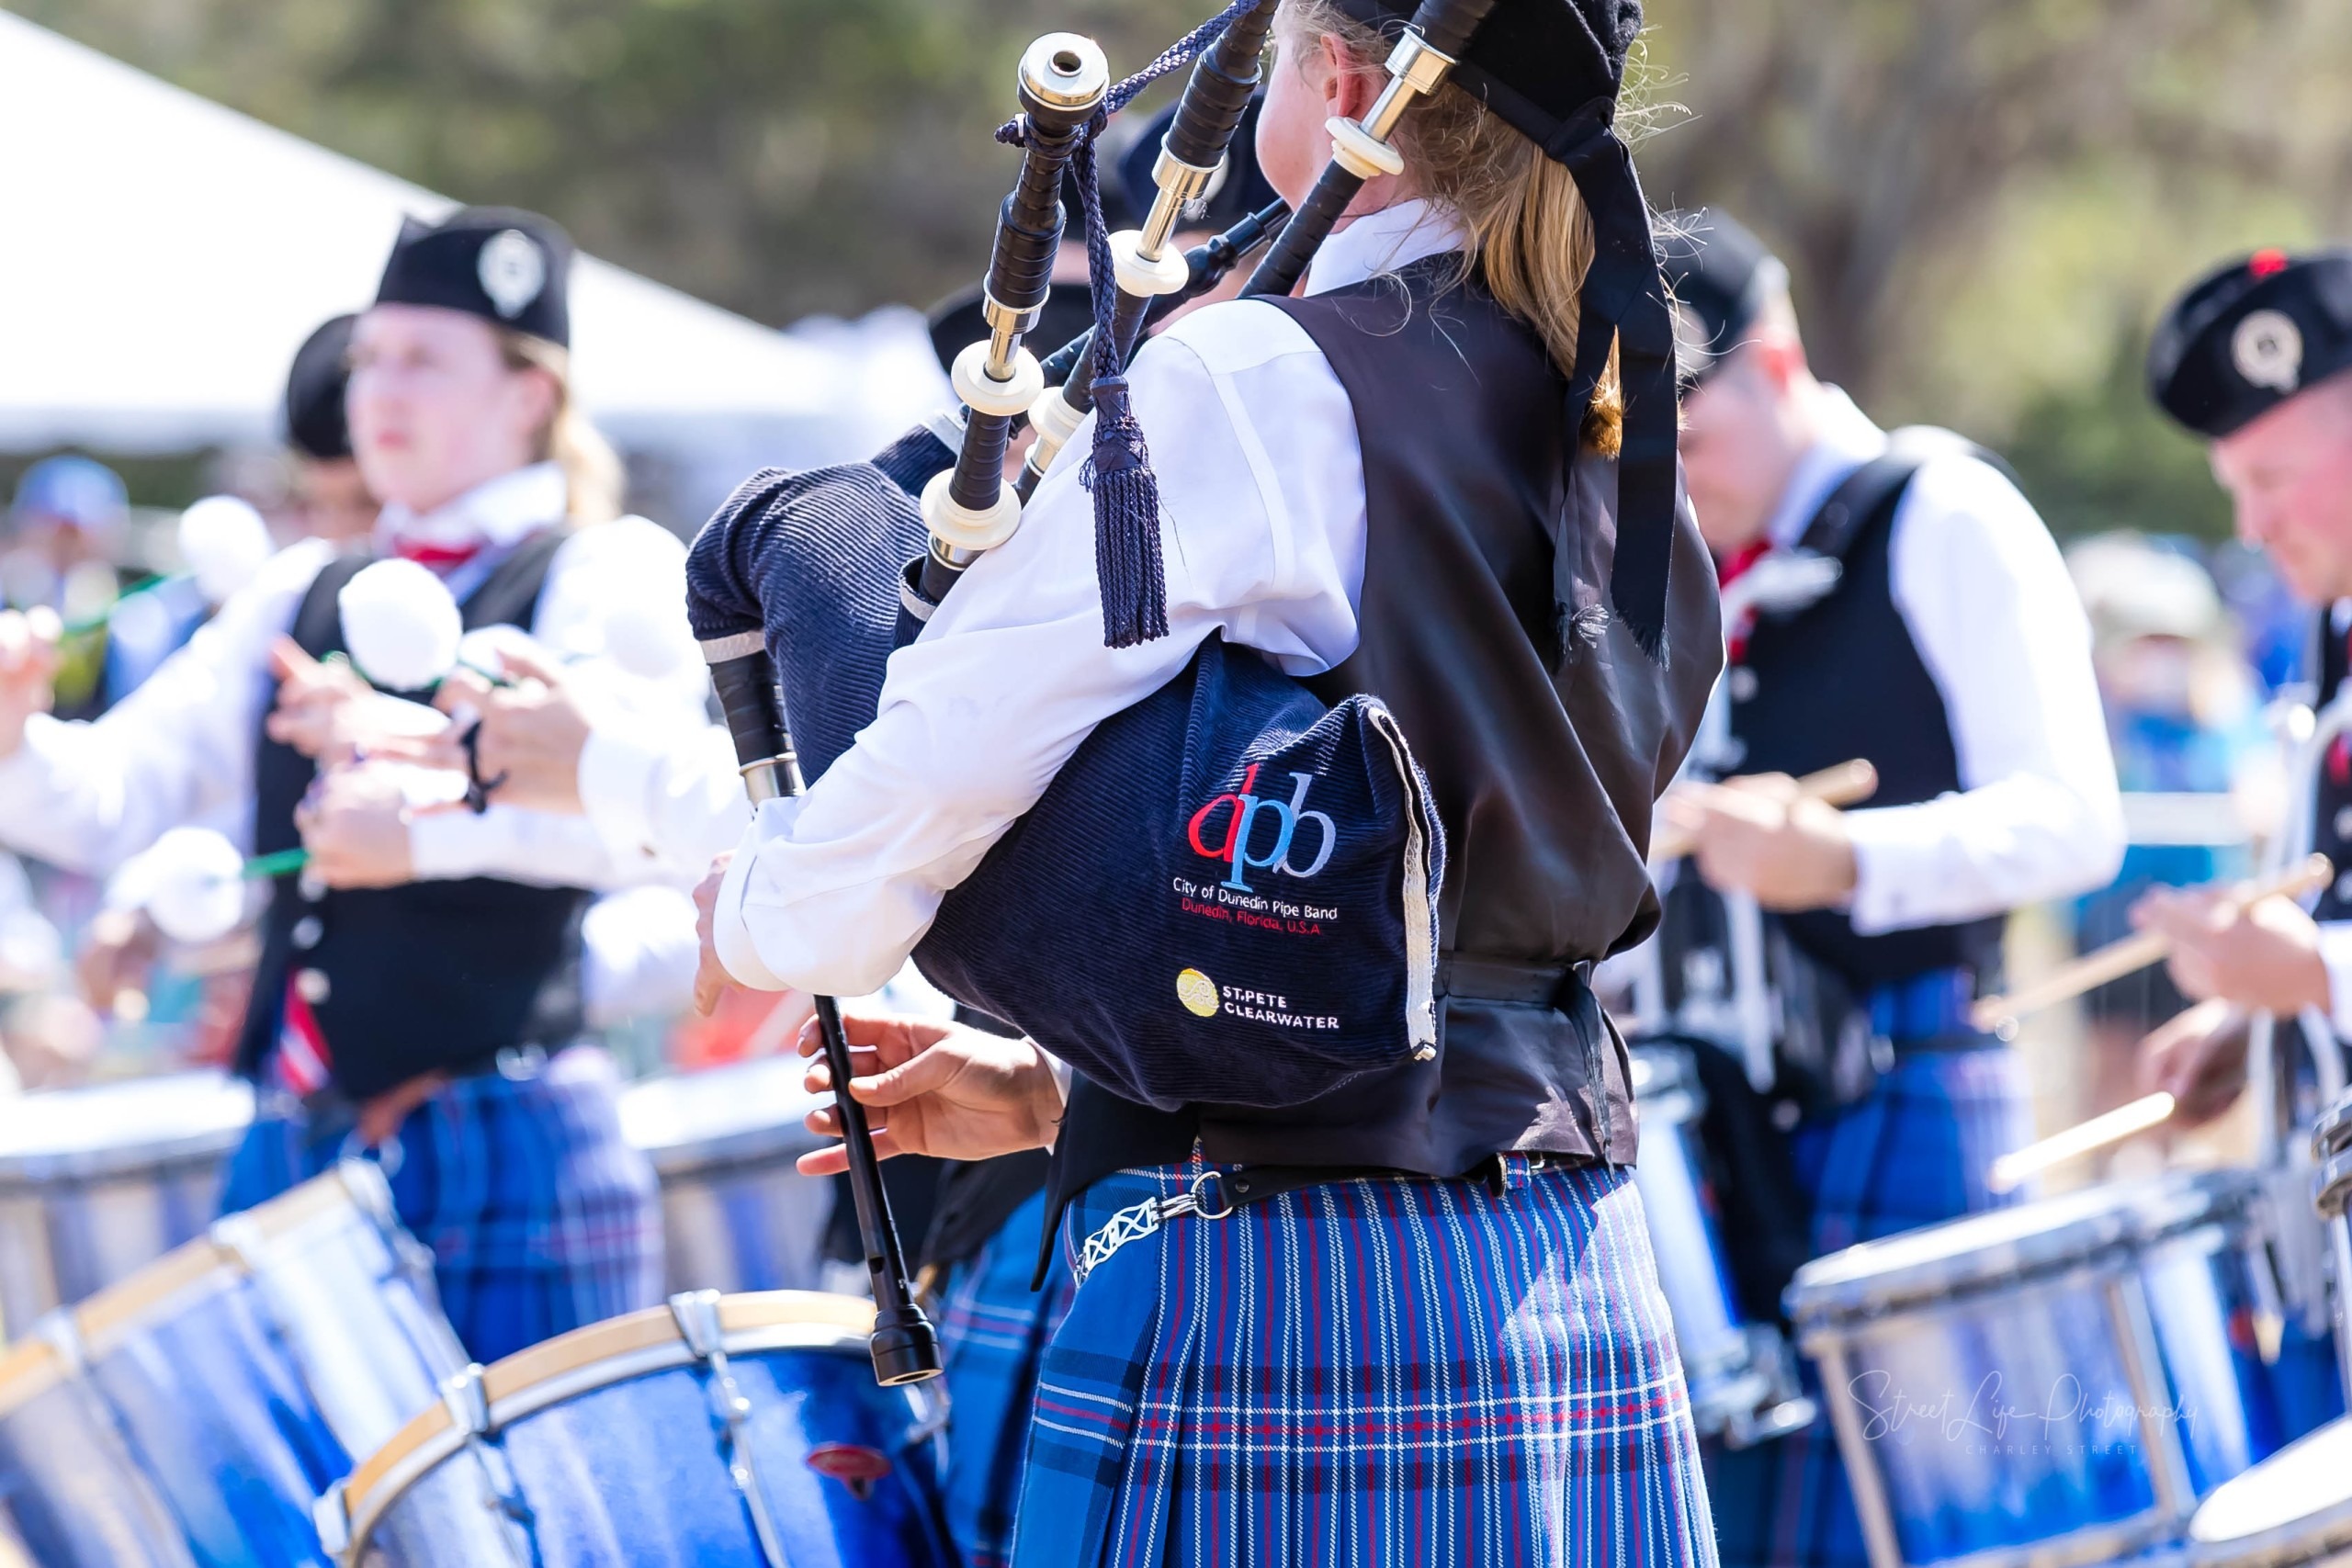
[
  {"x": 2290, "y": 1507},
  {"x": 120, "y": 1128},
  {"x": 744, "y": 1112},
  {"x": 2009, "y": 1244},
  {"x": 593, "y": 1358}
]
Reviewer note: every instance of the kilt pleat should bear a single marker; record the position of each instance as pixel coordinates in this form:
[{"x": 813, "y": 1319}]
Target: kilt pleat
[
  {"x": 1918, "y": 1151},
  {"x": 993, "y": 1330},
  {"x": 537, "y": 1213},
  {"x": 1372, "y": 1370}
]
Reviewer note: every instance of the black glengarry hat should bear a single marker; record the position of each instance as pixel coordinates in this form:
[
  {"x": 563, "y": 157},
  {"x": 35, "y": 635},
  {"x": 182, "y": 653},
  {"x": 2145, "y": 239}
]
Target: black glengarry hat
[
  {"x": 315, "y": 425},
  {"x": 2250, "y": 336},
  {"x": 1721, "y": 276},
  {"x": 1238, "y": 190},
  {"x": 511, "y": 267},
  {"x": 1552, "y": 70}
]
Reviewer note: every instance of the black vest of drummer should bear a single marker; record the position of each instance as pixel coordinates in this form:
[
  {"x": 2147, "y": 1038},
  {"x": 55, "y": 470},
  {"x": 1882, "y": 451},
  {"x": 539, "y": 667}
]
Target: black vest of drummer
[
  {"x": 2331, "y": 819},
  {"x": 429, "y": 976},
  {"x": 1544, "y": 782},
  {"x": 1842, "y": 679}
]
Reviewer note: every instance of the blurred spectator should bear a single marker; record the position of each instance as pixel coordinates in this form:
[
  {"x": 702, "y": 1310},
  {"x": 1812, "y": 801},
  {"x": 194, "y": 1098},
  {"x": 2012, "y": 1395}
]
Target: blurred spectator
[
  {"x": 2182, "y": 718},
  {"x": 331, "y": 501},
  {"x": 65, "y": 530}
]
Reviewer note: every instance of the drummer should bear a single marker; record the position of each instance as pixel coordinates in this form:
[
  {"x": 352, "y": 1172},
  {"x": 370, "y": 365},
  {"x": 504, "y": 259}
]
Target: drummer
[
  {"x": 2256, "y": 359},
  {"x": 330, "y": 499},
  {"x": 1950, "y": 652},
  {"x": 418, "y": 993}
]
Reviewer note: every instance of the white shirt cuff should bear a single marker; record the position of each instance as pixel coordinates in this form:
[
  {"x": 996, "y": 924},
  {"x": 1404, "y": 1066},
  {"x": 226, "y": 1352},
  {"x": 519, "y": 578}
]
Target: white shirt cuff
[
  {"x": 2336, "y": 952},
  {"x": 1062, "y": 1075},
  {"x": 618, "y": 767},
  {"x": 736, "y": 952}
]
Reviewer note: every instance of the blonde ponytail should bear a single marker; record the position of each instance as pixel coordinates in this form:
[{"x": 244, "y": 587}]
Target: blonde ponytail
[
  {"x": 591, "y": 469},
  {"x": 1529, "y": 226}
]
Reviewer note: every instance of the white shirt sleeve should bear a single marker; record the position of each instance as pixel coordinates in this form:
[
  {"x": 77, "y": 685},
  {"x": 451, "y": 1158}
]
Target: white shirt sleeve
[
  {"x": 829, "y": 893},
  {"x": 90, "y": 796},
  {"x": 664, "y": 798},
  {"x": 627, "y": 568},
  {"x": 1981, "y": 585}
]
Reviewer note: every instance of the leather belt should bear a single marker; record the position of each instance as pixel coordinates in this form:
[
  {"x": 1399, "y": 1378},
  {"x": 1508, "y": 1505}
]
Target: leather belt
[{"x": 1479, "y": 979}]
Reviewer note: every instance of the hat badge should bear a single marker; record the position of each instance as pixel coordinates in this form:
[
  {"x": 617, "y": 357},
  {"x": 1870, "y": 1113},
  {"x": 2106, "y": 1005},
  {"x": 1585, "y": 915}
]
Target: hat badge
[
  {"x": 2268, "y": 349},
  {"x": 512, "y": 270}
]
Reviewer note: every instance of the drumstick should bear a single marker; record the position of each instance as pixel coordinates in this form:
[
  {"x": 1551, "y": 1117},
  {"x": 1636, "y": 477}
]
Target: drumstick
[
  {"x": 2118, "y": 959},
  {"x": 2014, "y": 1169},
  {"x": 1844, "y": 784}
]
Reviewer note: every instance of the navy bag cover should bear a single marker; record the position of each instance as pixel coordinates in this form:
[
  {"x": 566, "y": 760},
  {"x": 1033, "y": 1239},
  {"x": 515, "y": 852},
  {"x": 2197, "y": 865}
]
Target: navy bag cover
[{"x": 1227, "y": 894}]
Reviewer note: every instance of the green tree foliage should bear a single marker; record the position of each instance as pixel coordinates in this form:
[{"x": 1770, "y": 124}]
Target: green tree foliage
[{"x": 1984, "y": 202}]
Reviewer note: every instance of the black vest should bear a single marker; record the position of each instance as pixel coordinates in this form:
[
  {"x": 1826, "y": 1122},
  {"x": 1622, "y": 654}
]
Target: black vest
[
  {"x": 1544, "y": 782},
  {"x": 1842, "y": 679},
  {"x": 2331, "y": 819},
  {"x": 426, "y": 976}
]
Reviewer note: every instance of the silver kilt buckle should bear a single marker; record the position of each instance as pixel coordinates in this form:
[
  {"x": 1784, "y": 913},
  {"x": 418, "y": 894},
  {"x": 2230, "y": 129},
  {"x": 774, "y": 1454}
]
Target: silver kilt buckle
[{"x": 1140, "y": 1220}]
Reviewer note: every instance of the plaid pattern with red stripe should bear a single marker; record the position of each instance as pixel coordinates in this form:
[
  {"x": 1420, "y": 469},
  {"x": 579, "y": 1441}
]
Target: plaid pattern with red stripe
[{"x": 1375, "y": 1370}]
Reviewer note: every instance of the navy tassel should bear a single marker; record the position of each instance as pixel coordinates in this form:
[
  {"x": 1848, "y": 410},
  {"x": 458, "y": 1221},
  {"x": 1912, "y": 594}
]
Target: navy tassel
[{"x": 1128, "y": 567}]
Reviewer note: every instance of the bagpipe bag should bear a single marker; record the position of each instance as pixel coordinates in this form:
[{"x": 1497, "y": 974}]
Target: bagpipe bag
[{"x": 1227, "y": 894}]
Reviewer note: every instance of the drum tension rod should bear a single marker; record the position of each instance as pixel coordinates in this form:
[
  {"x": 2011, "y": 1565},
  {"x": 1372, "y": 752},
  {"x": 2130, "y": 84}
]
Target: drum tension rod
[{"x": 697, "y": 1316}]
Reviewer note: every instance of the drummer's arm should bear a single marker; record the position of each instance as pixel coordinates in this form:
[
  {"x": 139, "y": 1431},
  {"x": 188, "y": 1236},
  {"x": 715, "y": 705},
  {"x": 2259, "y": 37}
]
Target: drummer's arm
[{"x": 89, "y": 796}]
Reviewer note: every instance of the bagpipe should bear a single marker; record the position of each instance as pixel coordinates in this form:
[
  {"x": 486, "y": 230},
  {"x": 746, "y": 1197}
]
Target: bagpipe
[{"x": 1227, "y": 791}]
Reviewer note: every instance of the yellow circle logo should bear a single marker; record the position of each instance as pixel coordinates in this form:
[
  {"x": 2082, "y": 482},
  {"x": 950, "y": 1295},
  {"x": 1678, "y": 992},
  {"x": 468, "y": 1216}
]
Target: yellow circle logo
[{"x": 1197, "y": 992}]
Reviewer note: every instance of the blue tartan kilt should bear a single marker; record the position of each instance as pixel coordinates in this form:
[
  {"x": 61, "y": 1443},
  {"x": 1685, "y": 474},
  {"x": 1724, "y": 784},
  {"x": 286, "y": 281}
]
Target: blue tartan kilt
[
  {"x": 539, "y": 1215},
  {"x": 1916, "y": 1152},
  {"x": 1379, "y": 1370},
  {"x": 994, "y": 1330}
]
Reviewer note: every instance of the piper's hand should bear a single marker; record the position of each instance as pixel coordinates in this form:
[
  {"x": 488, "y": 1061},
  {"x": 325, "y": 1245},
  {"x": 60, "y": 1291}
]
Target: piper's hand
[
  {"x": 532, "y": 732},
  {"x": 2199, "y": 1059},
  {"x": 28, "y": 671},
  {"x": 1758, "y": 836},
  {"x": 354, "y": 822},
  {"x": 710, "y": 976},
  {"x": 934, "y": 1088},
  {"x": 316, "y": 703},
  {"x": 2263, "y": 956}
]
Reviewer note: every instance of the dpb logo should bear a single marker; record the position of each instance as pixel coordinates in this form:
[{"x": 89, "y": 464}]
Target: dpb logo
[{"x": 1241, "y": 834}]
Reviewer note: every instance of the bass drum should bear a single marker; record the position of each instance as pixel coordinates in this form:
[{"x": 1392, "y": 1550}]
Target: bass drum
[
  {"x": 237, "y": 1377},
  {"x": 723, "y": 1431},
  {"x": 735, "y": 1214},
  {"x": 97, "y": 1182}
]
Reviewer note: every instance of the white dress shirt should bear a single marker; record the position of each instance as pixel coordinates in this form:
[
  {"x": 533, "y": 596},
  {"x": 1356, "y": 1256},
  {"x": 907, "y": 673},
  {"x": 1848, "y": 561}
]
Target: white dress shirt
[
  {"x": 1985, "y": 595},
  {"x": 180, "y": 749},
  {"x": 1262, "y": 528}
]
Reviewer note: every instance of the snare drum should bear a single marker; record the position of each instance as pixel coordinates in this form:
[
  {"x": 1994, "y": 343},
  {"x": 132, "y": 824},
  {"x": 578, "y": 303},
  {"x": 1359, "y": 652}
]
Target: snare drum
[
  {"x": 1744, "y": 1386},
  {"x": 72, "y": 1494},
  {"x": 722, "y": 1431},
  {"x": 2293, "y": 1509},
  {"x": 244, "y": 1372},
  {"x": 735, "y": 1214},
  {"x": 96, "y": 1182},
  {"x": 2057, "y": 1382}
]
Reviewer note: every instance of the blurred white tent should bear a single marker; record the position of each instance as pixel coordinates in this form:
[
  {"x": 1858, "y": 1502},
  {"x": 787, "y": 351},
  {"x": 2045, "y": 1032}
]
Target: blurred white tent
[{"x": 166, "y": 256}]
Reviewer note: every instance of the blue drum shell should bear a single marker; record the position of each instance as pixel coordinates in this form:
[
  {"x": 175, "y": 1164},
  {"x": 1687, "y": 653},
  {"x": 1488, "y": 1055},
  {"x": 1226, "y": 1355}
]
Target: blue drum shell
[
  {"x": 2001, "y": 1410},
  {"x": 69, "y": 1489},
  {"x": 635, "y": 1472}
]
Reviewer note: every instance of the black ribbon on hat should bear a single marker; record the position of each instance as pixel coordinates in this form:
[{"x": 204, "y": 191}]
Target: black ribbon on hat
[{"x": 1624, "y": 302}]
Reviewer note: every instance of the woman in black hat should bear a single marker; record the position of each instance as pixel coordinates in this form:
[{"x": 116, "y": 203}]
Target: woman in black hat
[
  {"x": 418, "y": 994},
  {"x": 1415, "y": 1319}
]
